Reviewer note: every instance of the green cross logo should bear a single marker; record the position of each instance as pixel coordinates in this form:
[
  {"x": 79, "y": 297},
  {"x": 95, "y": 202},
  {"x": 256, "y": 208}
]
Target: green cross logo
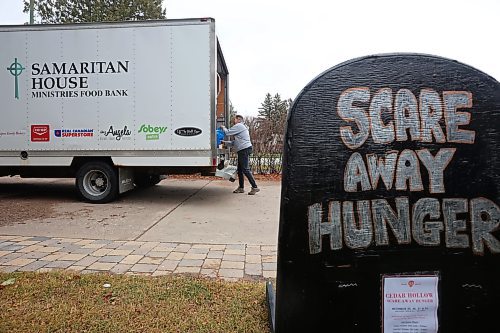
[{"x": 16, "y": 69}]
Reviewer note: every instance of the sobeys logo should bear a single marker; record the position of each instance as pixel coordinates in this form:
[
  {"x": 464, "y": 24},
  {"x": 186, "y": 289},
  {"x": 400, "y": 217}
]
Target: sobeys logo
[
  {"x": 16, "y": 69},
  {"x": 152, "y": 132}
]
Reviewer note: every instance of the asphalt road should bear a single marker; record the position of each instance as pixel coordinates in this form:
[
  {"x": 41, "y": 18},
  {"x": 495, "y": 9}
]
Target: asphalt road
[{"x": 176, "y": 210}]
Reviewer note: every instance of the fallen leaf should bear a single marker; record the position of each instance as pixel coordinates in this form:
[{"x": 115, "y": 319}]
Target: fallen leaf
[{"x": 8, "y": 282}]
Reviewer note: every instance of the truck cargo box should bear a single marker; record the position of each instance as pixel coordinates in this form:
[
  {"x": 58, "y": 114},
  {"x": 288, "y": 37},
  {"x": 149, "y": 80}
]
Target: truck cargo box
[{"x": 144, "y": 98}]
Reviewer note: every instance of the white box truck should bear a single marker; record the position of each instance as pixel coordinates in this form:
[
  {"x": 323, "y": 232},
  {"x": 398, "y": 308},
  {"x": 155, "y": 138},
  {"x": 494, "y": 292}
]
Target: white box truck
[{"x": 114, "y": 105}]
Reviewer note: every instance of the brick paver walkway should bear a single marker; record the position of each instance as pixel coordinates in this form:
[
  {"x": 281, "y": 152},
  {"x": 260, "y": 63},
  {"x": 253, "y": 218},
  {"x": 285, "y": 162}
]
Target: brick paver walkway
[{"x": 226, "y": 261}]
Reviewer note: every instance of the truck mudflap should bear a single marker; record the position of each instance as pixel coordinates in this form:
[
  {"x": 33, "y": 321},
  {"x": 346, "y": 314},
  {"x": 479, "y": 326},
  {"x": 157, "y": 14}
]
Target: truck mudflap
[{"x": 125, "y": 180}]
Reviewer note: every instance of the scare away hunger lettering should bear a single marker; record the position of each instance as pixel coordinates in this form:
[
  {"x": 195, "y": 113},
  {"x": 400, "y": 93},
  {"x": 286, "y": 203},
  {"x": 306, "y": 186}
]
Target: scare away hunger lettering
[{"x": 425, "y": 220}]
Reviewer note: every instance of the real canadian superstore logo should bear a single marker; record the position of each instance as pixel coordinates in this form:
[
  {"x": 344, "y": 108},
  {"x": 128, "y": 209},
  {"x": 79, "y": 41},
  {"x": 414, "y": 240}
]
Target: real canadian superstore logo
[
  {"x": 74, "y": 133},
  {"x": 16, "y": 69},
  {"x": 40, "y": 133}
]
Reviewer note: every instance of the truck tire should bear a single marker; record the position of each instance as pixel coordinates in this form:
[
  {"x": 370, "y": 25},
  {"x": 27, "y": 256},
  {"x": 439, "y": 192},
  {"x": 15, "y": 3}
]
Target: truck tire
[
  {"x": 97, "y": 182},
  {"x": 143, "y": 180}
]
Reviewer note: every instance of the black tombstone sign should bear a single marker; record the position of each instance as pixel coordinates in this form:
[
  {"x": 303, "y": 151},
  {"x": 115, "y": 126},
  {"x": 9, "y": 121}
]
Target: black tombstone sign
[{"x": 391, "y": 169}]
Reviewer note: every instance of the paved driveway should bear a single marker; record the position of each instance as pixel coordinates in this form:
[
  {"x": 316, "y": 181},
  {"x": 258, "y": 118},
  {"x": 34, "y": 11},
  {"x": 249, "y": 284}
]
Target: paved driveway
[
  {"x": 190, "y": 211},
  {"x": 178, "y": 214}
]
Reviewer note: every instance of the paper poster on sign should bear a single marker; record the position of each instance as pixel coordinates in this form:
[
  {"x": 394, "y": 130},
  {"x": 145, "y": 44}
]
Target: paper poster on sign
[{"x": 410, "y": 303}]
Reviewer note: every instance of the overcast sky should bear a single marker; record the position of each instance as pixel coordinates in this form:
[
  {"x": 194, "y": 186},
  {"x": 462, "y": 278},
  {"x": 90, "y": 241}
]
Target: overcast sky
[{"x": 278, "y": 46}]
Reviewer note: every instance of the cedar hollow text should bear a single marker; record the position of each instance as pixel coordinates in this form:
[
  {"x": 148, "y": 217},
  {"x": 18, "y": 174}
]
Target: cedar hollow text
[
  {"x": 72, "y": 75},
  {"x": 429, "y": 221}
]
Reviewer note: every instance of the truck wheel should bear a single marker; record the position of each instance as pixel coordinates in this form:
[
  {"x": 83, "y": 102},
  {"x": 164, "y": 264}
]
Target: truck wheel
[
  {"x": 142, "y": 180},
  {"x": 97, "y": 182}
]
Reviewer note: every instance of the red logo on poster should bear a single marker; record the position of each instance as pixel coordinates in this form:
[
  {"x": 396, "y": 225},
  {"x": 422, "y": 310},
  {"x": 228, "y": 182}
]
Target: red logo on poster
[
  {"x": 40, "y": 133},
  {"x": 411, "y": 283}
]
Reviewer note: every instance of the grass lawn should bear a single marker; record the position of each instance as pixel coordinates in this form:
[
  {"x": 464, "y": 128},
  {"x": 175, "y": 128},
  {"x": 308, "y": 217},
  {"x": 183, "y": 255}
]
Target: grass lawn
[{"x": 71, "y": 302}]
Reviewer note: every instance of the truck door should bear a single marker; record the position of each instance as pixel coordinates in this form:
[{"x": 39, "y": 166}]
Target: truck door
[{"x": 222, "y": 110}]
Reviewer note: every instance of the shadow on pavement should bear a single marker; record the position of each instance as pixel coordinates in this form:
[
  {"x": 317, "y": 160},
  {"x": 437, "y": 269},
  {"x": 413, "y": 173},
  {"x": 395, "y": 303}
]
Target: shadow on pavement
[{"x": 59, "y": 191}]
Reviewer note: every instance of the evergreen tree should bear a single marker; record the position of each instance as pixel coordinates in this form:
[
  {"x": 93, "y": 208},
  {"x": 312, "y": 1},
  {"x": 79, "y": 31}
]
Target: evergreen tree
[
  {"x": 78, "y": 11},
  {"x": 266, "y": 109},
  {"x": 279, "y": 108},
  {"x": 274, "y": 111},
  {"x": 232, "y": 113}
]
